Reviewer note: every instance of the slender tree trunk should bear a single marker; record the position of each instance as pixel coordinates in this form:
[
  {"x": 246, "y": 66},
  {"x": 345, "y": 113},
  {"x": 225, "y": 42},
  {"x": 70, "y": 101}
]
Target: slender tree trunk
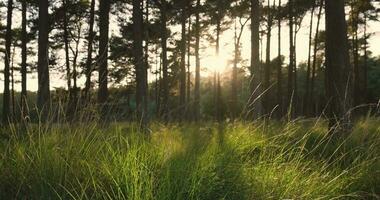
[
  {"x": 234, "y": 88},
  {"x": 337, "y": 67},
  {"x": 89, "y": 63},
  {"x": 104, "y": 9},
  {"x": 313, "y": 73},
  {"x": 255, "y": 108},
  {"x": 355, "y": 51},
  {"x": 307, "y": 105},
  {"x": 67, "y": 46},
  {"x": 188, "y": 89},
  {"x": 13, "y": 82},
  {"x": 216, "y": 75},
  {"x": 279, "y": 67},
  {"x": 141, "y": 90},
  {"x": 197, "y": 94},
  {"x": 24, "y": 53},
  {"x": 43, "y": 100},
  {"x": 165, "y": 78},
  {"x": 8, "y": 43},
  {"x": 267, "y": 70},
  {"x": 182, "y": 101},
  {"x": 290, "y": 98},
  {"x": 364, "y": 90}
]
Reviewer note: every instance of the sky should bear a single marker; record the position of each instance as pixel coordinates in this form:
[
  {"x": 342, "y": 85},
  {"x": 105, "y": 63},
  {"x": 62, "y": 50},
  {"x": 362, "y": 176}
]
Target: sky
[{"x": 209, "y": 62}]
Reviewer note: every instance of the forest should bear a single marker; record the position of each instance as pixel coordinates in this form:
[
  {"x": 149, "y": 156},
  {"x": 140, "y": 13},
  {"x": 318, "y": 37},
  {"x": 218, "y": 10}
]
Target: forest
[{"x": 190, "y": 99}]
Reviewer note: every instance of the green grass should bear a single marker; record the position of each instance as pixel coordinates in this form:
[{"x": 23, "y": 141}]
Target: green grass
[{"x": 297, "y": 160}]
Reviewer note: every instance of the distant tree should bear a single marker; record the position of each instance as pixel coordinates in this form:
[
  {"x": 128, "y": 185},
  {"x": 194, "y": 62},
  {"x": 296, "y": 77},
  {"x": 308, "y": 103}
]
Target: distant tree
[
  {"x": 24, "y": 56},
  {"x": 89, "y": 62},
  {"x": 197, "y": 94},
  {"x": 8, "y": 44}
]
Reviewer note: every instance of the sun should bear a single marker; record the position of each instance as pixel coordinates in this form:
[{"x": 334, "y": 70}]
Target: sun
[{"x": 215, "y": 63}]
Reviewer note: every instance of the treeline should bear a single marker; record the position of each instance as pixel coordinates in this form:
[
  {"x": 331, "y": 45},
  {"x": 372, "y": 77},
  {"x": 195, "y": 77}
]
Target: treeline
[{"x": 74, "y": 37}]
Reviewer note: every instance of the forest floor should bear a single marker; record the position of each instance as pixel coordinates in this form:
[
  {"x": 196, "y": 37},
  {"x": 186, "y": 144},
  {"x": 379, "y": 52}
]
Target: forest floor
[{"x": 296, "y": 160}]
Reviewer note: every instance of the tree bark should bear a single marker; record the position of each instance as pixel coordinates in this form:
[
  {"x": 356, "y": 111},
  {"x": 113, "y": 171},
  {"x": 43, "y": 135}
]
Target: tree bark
[
  {"x": 307, "y": 105},
  {"x": 90, "y": 41},
  {"x": 165, "y": 78},
  {"x": 197, "y": 94},
  {"x": 314, "y": 66},
  {"x": 188, "y": 86},
  {"x": 338, "y": 76},
  {"x": 279, "y": 67},
  {"x": 104, "y": 9},
  {"x": 255, "y": 104},
  {"x": 66, "y": 41},
  {"x": 182, "y": 101},
  {"x": 8, "y": 44},
  {"x": 43, "y": 100},
  {"x": 290, "y": 96},
  {"x": 141, "y": 90},
  {"x": 267, "y": 70},
  {"x": 24, "y": 53}
]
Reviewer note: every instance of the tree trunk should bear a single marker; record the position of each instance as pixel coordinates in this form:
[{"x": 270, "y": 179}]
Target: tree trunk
[
  {"x": 8, "y": 44},
  {"x": 197, "y": 94},
  {"x": 182, "y": 101},
  {"x": 290, "y": 98},
  {"x": 67, "y": 44},
  {"x": 312, "y": 96},
  {"x": 188, "y": 89},
  {"x": 364, "y": 92},
  {"x": 43, "y": 100},
  {"x": 24, "y": 53},
  {"x": 307, "y": 105},
  {"x": 234, "y": 93},
  {"x": 165, "y": 78},
  {"x": 141, "y": 90},
  {"x": 90, "y": 41},
  {"x": 338, "y": 82},
  {"x": 279, "y": 67},
  {"x": 267, "y": 70},
  {"x": 104, "y": 9},
  {"x": 255, "y": 108},
  {"x": 355, "y": 50}
]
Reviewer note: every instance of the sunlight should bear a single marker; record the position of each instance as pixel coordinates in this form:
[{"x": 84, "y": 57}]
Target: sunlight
[{"x": 215, "y": 63}]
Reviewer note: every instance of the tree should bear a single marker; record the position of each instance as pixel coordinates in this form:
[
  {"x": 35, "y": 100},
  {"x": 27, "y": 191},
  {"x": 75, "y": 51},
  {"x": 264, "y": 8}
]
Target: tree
[
  {"x": 104, "y": 9},
  {"x": 141, "y": 89},
  {"x": 43, "y": 99},
  {"x": 182, "y": 95},
  {"x": 197, "y": 95},
  {"x": 279, "y": 64},
  {"x": 24, "y": 55},
  {"x": 267, "y": 70},
  {"x": 291, "y": 67},
  {"x": 314, "y": 65},
  {"x": 338, "y": 81},
  {"x": 90, "y": 41},
  {"x": 8, "y": 43},
  {"x": 307, "y": 106},
  {"x": 239, "y": 13},
  {"x": 255, "y": 69}
]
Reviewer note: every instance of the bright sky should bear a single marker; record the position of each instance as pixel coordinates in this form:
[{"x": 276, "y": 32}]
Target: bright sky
[{"x": 210, "y": 63}]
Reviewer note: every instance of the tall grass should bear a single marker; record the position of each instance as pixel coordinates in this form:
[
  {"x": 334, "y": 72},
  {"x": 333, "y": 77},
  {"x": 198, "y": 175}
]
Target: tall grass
[{"x": 297, "y": 160}]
